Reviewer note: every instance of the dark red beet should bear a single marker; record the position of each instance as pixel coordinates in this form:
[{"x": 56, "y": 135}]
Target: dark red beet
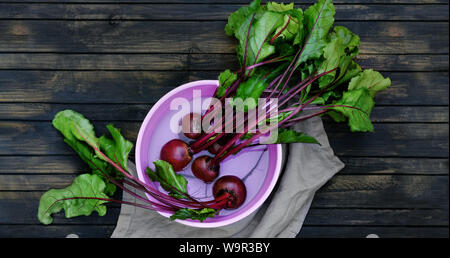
[
  {"x": 202, "y": 169},
  {"x": 191, "y": 125},
  {"x": 232, "y": 185},
  {"x": 177, "y": 153}
]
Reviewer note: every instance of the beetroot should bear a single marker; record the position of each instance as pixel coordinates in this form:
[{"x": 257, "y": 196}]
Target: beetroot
[
  {"x": 232, "y": 185},
  {"x": 203, "y": 169},
  {"x": 177, "y": 153},
  {"x": 191, "y": 125}
]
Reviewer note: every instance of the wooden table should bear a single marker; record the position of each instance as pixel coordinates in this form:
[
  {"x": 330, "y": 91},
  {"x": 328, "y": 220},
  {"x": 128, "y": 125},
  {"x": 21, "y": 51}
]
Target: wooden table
[{"x": 110, "y": 60}]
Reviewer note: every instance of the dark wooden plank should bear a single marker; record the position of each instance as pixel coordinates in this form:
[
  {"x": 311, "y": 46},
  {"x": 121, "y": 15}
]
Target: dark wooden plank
[
  {"x": 342, "y": 191},
  {"x": 406, "y": 140},
  {"x": 35, "y": 182},
  {"x": 422, "y": 114},
  {"x": 404, "y": 62},
  {"x": 41, "y": 111},
  {"x": 415, "y": 89},
  {"x": 72, "y": 164},
  {"x": 382, "y": 232},
  {"x": 85, "y": 87},
  {"x": 67, "y": 164},
  {"x": 201, "y": 37},
  {"x": 58, "y": 231},
  {"x": 205, "y": 12},
  {"x": 115, "y": 62},
  {"x": 398, "y": 213},
  {"x": 149, "y": 86},
  {"x": 410, "y": 114},
  {"x": 194, "y": 62},
  {"x": 412, "y": 140},
  {"x": 375, "y": 217},
  {"x": 94, "y": 231},
  {"x": 411, "y": 166},
  {"x": 383, "y": 191},
  {"x": 137, "y": 112},
  {"x": 26, "y": 204}
]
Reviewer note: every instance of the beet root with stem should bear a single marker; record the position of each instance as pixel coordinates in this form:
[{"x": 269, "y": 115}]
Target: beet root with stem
[
  {"x": 204, "y": 169},
  {"x": 232, "y": 185},
  {"x": 191, "y": 125},
  {"x": 177, "y": 153}
]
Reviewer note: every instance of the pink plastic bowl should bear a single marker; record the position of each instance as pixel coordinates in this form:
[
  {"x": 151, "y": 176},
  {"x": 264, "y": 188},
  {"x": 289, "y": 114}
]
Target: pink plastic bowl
[{"x": 258, "y": 166}]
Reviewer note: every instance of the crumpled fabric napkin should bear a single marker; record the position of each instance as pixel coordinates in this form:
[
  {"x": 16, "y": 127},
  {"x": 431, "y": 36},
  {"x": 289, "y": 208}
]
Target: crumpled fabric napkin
[{"x": 306, "y": 167}]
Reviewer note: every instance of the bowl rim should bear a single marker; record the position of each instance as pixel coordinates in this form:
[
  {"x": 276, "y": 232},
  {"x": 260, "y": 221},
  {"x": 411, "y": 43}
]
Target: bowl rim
[{"x": 204, "y": 224}]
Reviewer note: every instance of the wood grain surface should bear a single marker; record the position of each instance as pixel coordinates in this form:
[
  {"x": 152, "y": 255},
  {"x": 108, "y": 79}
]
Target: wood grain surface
[{"x": 113, "y": 59}]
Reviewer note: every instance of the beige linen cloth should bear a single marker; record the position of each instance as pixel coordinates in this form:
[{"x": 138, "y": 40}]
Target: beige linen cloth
[{"x": 306, "y": 168}]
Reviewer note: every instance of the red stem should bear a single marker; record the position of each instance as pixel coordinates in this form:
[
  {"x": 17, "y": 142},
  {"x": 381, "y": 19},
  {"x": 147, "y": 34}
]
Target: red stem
[
  {"x": 291, "y": 95},
  {"x": 286, "y": 71},
  {"x": 225, "y": 147},
  {"x": 250, "y": 67},
  {"x": 167, "y": 200},
  {"x": 281, "y": 31},
  {"x": 133, "y": 178},
  {"x": 211, "y": 142},
  {"x": 236, "y": 149},
  {"x": 295, "y": 120},
  {"x": 126, "y": 189},
  {"x": 260, "y": 47},
  {"x": 246, "y": 40}
]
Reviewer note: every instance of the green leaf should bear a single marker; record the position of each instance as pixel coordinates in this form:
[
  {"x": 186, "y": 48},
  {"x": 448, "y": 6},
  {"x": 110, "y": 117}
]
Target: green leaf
[
  {"x": 71, "y": 124},
  {"x": 371, "y": 80},
  {"x": 333, "y": 52},
  {"x": 98, "y": 166},
  {"x": 194, "y": 214},
  {"x": 358, "y": 114},
  {"x": 85, "y": 185},
  {"x": 290, "y": 31},
  {"x": 258, "y": 45},
  {"x": 325, "y": 97},
  {"x": 292, "y": 27},
  {"x": 338, "y": 53},
  {"x": 292, "y": 136},
  {"x": 251, "y": 89},
  {"x": 337, "y": 117},
  {"x": 118, "y": 148},
  {"x": 174, "y": 183},
  {"x": 318, "y": 20},
  {"x": 279, "y": 7},
  {"x": 348, "y": 39},
  {"x": 238, "y": 17},
  {"x": 352, "y": 70},
  {"x": 226, "y": 78}
]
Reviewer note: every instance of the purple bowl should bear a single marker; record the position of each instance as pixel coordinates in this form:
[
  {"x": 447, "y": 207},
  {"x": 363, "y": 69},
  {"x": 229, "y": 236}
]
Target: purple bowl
[{"x": 258, "y": 166}]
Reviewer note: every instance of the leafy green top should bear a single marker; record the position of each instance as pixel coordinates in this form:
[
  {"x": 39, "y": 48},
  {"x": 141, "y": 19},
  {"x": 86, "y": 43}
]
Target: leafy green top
[
  {"x": 79, "y": 134},
  {"x": 279, "y": 33}
]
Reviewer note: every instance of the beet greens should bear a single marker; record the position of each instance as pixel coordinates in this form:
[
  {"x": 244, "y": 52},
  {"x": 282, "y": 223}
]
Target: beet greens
[
  {"x": 89, "y": 192},
  {"x": 296, "y": 57}
]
